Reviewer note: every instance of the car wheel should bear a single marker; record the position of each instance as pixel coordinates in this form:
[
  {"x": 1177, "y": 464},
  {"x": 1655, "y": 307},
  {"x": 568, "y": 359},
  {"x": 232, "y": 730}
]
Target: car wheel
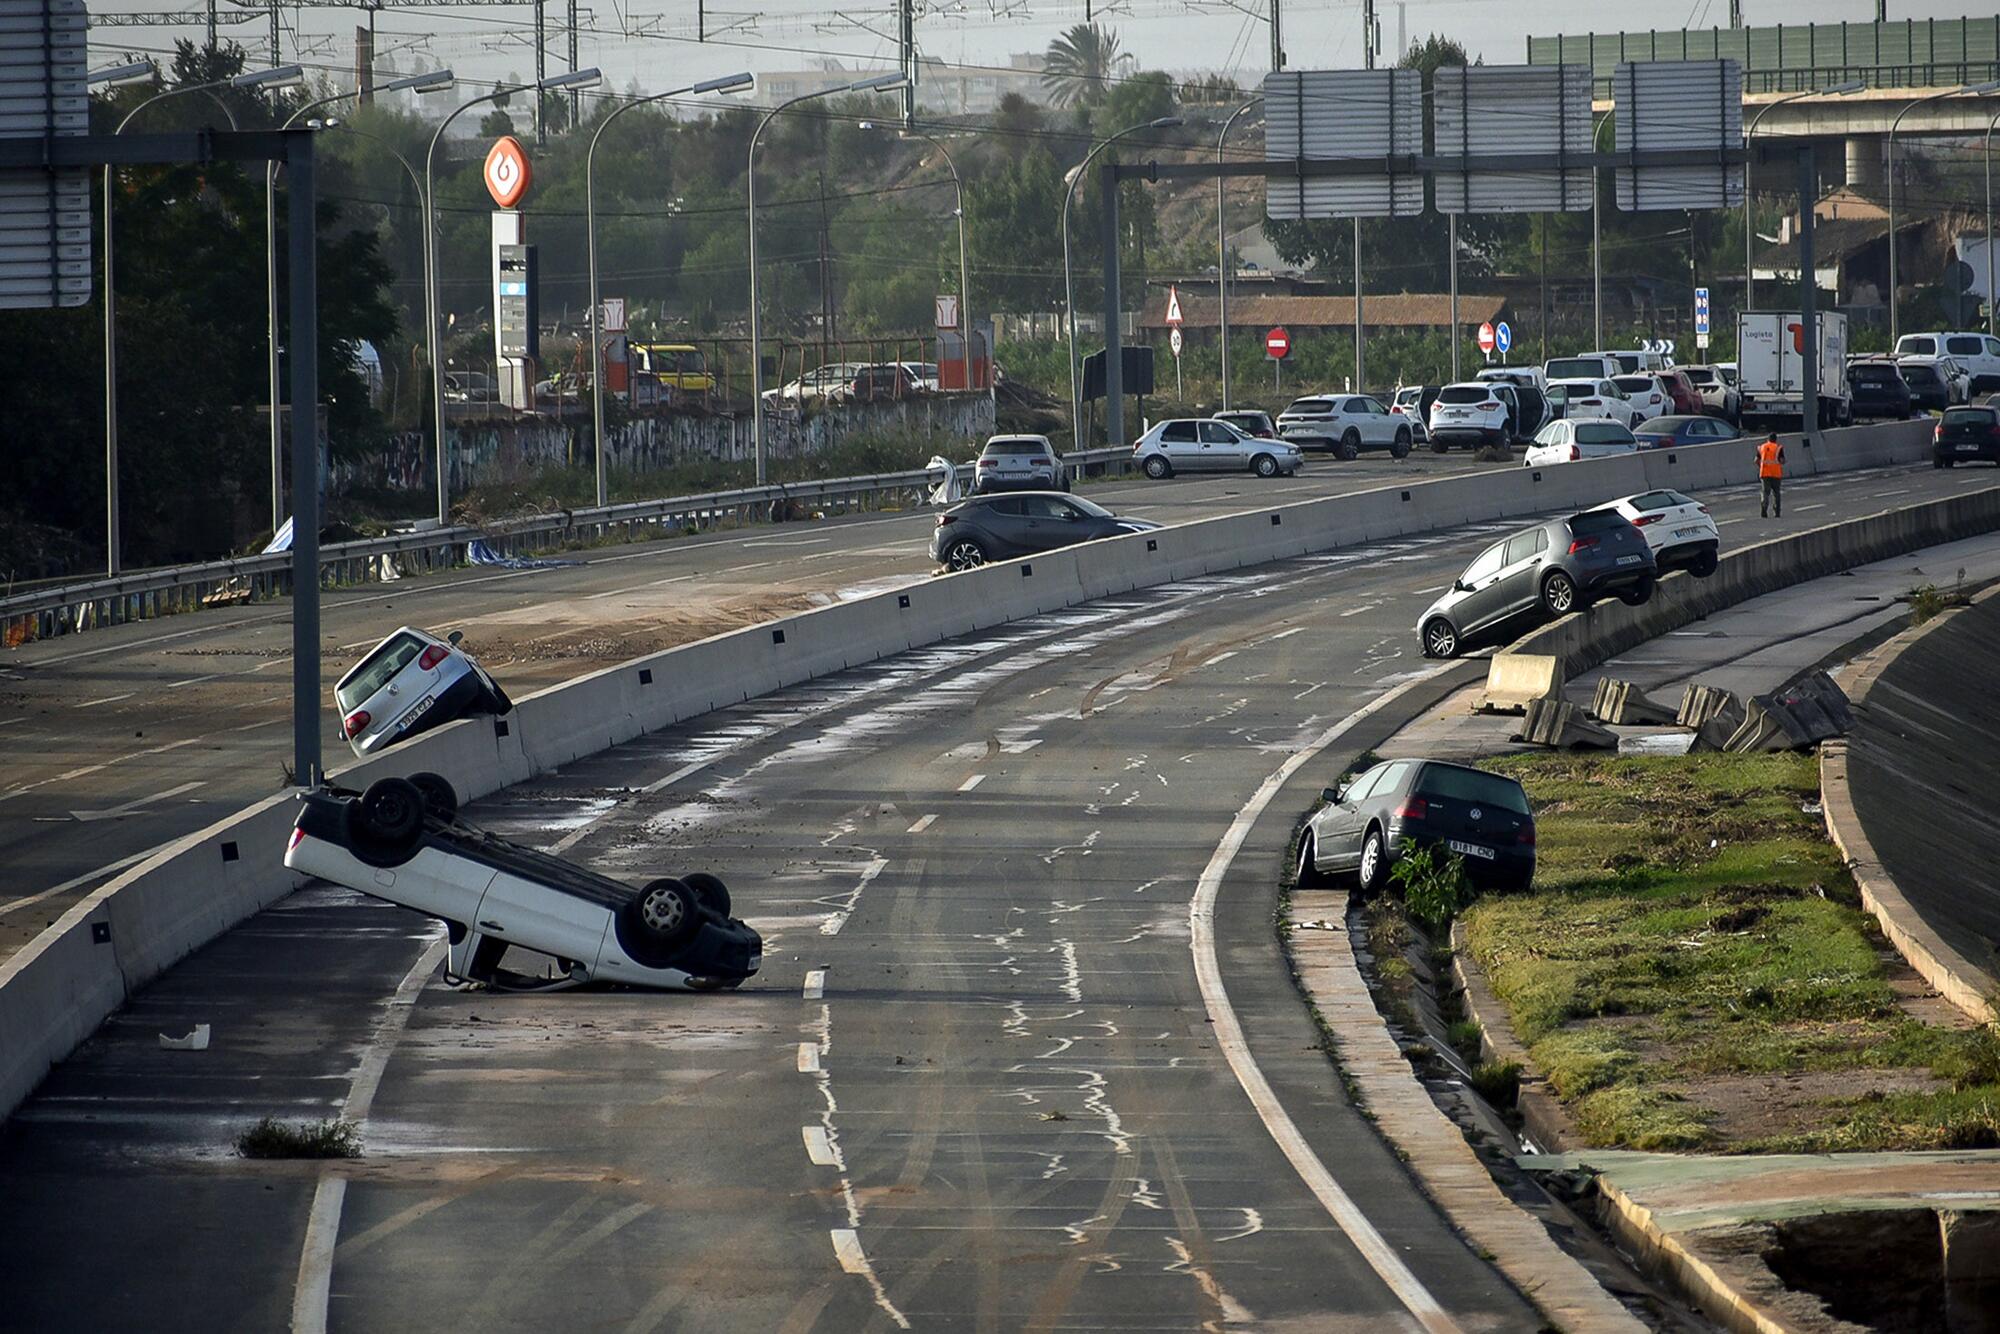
[
  {"x": 1558, "y": 594},
  {"x": 1440, "y": 639},
  {"x": 1349, "y": 446},
  {"x": 964, "y": 554},
  {"x": 1374, "y": 869},
  {"x": 1401, "y": 449},
  {"x": 709, "y": 892},
  {"x": 1937, "y": 463},
  {"x": 1264, "y": 466},
  {"x": 1703, "y": 565},
  {"x": 1158, "y": 468},
  {"x": 390, "y": 813},
  {"x": 665, "y": 913},
  {"x": 1309, "y": 875},
  {"x": 1638, "y": 595},
  {"x": 440, "y": 801},
  {"x": 1439, "y": 446}
]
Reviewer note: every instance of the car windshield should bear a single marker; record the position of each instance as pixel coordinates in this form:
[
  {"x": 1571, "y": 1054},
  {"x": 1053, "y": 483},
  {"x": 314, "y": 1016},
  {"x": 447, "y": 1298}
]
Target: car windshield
[
  {"x": 1569, "y": 368},
  {"x": 1472, "y": 785},
  {"x": 392, "y": 655},
  {"x": 1871, "y": 374},
  {"x": 1464, "y": 393},
  {"x": 1096, "y": 511},
  {"x": 1602, "y": 433},
  {"x": 1030, "y": 447},
  {"x": 1970, "y": 417}
]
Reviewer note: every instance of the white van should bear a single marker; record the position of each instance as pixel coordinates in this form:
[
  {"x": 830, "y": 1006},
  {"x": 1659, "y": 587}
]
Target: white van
[
  {"x": 1978, "y": 353},
  {"x": 1589, "y": 366}
]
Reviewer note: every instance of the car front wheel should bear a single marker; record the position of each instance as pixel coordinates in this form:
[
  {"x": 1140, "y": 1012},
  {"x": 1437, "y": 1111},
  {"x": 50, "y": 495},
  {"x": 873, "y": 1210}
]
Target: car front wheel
[
  {"x": 1309, "y": 876},
  {"x": 1440, "y": 639},
  {"x": 1158, "y": 468},
  {"x": 1264, "y": 466},
  {"x": 1559, "y": 594},
  {"x": 964, "y": 554}
]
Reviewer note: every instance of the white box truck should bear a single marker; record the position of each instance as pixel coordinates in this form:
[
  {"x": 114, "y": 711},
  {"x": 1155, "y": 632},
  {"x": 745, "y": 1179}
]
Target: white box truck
[{"x": 1770, "y": 361}]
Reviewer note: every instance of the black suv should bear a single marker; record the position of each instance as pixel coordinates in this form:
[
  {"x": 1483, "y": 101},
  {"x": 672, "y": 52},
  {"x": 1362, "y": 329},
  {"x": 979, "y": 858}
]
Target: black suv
[{"x": 1879, "y": 390}]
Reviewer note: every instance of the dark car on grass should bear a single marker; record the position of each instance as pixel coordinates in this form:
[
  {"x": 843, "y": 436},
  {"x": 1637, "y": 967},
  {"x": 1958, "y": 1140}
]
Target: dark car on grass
[
  {"x": 987, "y": 528},
  {"x": 1369, "y": 824},
  {"x": 1879, "y": 390},
  {"x": 1539, "y": 574},
  {"x": 1966, "y": 435},
  {"x": 1672, "y": 432}
]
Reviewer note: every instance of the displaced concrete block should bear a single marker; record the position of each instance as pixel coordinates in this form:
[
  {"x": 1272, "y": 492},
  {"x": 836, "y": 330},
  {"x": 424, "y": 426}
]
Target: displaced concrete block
[
  {"x": 1513, "y": 679},
  {"x": 1558, "y": 723},
  {"x": 1796, "y": 716},
  {"x": 1699, "y": 703},
  {"x": 1623, "y": 704},
  {"x": 1971, "y": 1270}
]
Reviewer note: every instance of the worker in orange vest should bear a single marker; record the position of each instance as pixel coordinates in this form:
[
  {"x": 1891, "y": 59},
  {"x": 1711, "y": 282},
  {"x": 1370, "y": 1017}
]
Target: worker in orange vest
[{"x": 1771, "y": 469}]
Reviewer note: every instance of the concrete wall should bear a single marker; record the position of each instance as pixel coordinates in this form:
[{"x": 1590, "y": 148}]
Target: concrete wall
[{"x": 55, "y": 992}]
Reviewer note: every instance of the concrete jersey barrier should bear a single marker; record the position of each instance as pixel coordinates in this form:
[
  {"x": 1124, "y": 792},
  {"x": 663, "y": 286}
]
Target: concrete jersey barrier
[{"x": 57, "y": 990}]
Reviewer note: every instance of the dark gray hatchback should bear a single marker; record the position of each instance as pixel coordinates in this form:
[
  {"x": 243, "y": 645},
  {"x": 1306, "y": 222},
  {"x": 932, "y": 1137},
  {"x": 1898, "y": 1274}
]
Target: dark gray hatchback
[
  {"x": 988, "y": 528},
  {"x": 1539, "y": 574},
  {"x": 1369, "y": 823}
]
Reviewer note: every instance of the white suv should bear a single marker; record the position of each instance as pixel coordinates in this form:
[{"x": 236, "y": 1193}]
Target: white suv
[
  {"x": 1978, "y": 353},
  {"x": 1345, "y": 424},
  {"x": 1474, "y": 413},
  {"x": 1646, "y": 395}
]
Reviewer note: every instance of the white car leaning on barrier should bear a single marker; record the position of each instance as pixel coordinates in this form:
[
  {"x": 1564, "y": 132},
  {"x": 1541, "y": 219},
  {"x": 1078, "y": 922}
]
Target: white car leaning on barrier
[
  {"x": 409, "y": 683},
  {"x": 1678, "y": 528},
  {"x": 1573, "y": 441}
]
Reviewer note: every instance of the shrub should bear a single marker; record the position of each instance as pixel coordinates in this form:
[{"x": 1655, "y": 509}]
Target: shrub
[
  {"x": 335, "y": 1137},
  {"x": 1435, "y": 888}
]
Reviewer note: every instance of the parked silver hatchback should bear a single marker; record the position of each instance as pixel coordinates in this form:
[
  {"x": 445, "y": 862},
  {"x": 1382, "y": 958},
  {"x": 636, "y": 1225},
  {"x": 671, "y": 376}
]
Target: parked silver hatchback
[{"x": 1197, "y": 444}]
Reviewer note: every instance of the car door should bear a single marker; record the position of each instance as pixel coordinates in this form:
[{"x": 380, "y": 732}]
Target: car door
[
  {"x": 1378, "y": 427},
  {"x": 1222, "y": 450},
  {"x": 1048, "y": 522},
  {"x": 1515, "y": 591},
  {"x": 1480, "y": 607},
  {"x": 1337, "y": 842},
  {"x": 1004, "y": 519},
  {"x": 1181, "y": 443}
]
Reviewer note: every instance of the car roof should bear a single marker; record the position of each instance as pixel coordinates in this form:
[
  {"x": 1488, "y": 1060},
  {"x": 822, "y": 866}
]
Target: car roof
[
  {"x": 1015, "y": 437},
  {"x": 1427, "y": 761}
]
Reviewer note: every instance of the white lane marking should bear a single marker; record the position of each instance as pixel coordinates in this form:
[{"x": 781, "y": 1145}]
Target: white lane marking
[
  {"x": 315, "y": 1282},
  {"x": 787, "y": 542},
  {"x": 108, "y": 699},
  {"x": 127, "y": 808},
  {"x": 815, "y": 986},
  {"x": 1364, "y": 607},
  {"x": 818, "y": 1147},
  {"x": 1020, "y": 747},
  {"x": 9, "y": 722},
  {"x": 972, "y": 782},
  {"x": 808, "y": 1057},
  {"x": 831, "y": 926},
  {"x": 925, "y": 823},
  {"x": 1286, "y": 634},
  {"x": 108, "y": 869},
  {"x": 1381, "y": 1257},
  {"x": 193, "y": 681},
  {"x": 1220, "y": 657},
  {"x": 1803, "y": 508},
  {"x": 634, "y": 588},
  {"x": 1434, "y": 588},
  {"x": 847, "y": 1249}
]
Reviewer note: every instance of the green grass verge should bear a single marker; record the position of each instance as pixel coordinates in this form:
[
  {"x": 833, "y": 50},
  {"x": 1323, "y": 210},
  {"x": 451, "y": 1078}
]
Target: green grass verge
[{"x": 1693, "y": 969}]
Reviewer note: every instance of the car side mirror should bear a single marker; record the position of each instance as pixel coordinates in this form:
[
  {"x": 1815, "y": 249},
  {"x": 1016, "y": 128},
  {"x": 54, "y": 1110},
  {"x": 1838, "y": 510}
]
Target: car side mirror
[
  {"x": 454, "y": 637},
  {"x": 1333, "y": 794},
  {"x": 1460, "y": 586}
]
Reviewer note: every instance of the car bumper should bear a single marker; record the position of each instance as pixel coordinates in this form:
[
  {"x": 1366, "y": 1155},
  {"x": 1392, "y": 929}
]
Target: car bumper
[
  {"x": 451, "y": 704},
  {"x": 1510, "y": 867},
  {"x": 1016, "y": 483},
  {"x": 1967, "y": 452},
  {"x": 1612, "y": 578},
  {"x": 1479, "y": 435}
]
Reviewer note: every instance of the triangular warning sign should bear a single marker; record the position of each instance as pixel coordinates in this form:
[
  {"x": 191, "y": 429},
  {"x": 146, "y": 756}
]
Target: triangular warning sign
[{"x": 1174, "y": 306}]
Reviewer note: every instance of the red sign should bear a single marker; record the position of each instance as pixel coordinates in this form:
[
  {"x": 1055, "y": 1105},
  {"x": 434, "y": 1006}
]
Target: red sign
[
  {"x": 507, "y": 172},
  {"x": 1486, "y": 337},
  {"x": 1277, "y": 344}
]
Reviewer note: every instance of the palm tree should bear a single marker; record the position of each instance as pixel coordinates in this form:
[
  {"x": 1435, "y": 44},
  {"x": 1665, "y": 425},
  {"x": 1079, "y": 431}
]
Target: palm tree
[{"x": 1081, "y": 63}]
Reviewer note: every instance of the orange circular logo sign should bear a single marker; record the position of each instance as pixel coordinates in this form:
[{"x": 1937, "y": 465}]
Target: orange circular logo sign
[{"x": 507, "y": 172}]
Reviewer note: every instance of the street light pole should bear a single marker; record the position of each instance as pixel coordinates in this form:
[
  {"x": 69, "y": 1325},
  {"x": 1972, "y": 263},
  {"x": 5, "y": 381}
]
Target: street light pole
[
  {"x": 1749, "y": 161},
  {"x": 964, "y": 275},
  {"x": 1992, "y": 298},
  {"x": 1222, "y": 265},
  {"x": 1895, "y": 326},
  {"x": 1069, "y": 282},
  {"x": 729, "y": 84},
  {"x": 1596, "y": 243},
  {"x": 431, "y": 82},
  {"x": 879, "y": 83},
  {"x": 283, "y": 77}
]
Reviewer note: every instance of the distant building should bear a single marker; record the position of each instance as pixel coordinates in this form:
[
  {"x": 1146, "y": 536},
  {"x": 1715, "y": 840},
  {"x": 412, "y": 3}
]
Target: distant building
[
  {"x": 1258, "y": 311},
  {"x": 940, "y": 87}
]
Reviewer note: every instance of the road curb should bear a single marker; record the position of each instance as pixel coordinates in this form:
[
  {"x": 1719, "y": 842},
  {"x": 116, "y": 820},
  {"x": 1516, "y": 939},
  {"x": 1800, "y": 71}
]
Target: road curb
[
  {"x": 1544, "y": 1120},
  {"x": 1955, "y": 977},
  {"x": 1632, "y": 1225},
  {"x": 1451, "y": 1173}
]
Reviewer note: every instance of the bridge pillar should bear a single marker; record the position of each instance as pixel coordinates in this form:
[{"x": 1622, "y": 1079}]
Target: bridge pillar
[{"x": 1864, "y": 160}]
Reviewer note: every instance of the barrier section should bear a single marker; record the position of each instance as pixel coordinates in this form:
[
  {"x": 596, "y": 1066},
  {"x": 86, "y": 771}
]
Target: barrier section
[{"x": 56, "y": 991}]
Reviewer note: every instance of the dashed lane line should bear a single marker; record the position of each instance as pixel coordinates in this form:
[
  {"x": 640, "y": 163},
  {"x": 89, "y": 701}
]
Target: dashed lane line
[
  {"x": 972, "y": 782},
  {"x": 815, "y": 985},
  {"x": 925, "y": 823}
]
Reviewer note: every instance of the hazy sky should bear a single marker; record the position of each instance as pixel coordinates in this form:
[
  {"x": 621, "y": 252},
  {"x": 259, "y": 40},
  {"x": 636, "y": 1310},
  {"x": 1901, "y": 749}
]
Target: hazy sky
[{"x": 1178, "y": 35}]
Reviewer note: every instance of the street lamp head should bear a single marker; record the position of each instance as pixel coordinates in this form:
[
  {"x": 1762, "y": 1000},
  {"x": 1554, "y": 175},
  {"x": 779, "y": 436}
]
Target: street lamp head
[
  {"x": 1165, "y": 123},
  {"x": 1980, "y": 90},
  {"x": 284, "y": 76},
  {"x": 1843, "y": 89},
  {"x": 323, "y": 123},
  {"x": 576, "y": 78},
  {"x": 132, "y": 73},
  {"x": 728, "y": 83},
  {"x": 430, "y": 81},
  {"x": 880, "y": 83}
]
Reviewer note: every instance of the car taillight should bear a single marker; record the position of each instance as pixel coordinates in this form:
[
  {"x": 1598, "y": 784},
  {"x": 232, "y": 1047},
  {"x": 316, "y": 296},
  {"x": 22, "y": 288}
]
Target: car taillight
[
  {"x": 1645, "y": 519},
  {"x": 298, "y": 837},
  {"x": 433, "y": 655},
  {"x": 1574, "y": 453},
  {"x": 1702, "y": 508},
  {"x": 1526, "y": 838},
  {"x": 1490, "y": 406},
  {"x": 1582, "y": 544},
  {"x": 1937, "y": 432},
  {"x": 1414, "y": 809},
  {"x": 1042, "y": 463},
  {"x": 989, "y": 463},
  {"x": 944, "y": 519},
  {"x": 355, "y": 722}
]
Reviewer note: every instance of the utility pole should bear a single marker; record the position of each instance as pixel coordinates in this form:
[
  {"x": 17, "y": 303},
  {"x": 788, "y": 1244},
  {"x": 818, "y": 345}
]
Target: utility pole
[
  {"x": 826, "y": 331},
  {"x": 211, "y": 25},
  {"x": 275, "y": 61},
  {"x": 907, "y": 38},
  {"x": 575, "y": 94},
  {"x": 1277, "y": 37},
  {"x": 1360, "y": 330},
  {"x": 541, "y": 71}
]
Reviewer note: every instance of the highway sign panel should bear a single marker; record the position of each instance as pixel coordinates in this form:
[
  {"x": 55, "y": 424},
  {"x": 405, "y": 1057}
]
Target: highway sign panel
[
  {"x": 1277, "y": 344},
  {"x": 1174, "y": 309},
  {"x": 1503, "y": 337},
  {"x": 45, "y": 235},
  {"x": 1344, "y": 114},
  {"x": 1487, "y": 337},
  {"x": 1690, "y": 106},
  {"x": 614, "y": 314},
  {"x": 507, "y": 172},
  {"x": 1505, "y": 109},
  {"x": 947, "y": 310},
  {"x": 1701, "y": 313}
]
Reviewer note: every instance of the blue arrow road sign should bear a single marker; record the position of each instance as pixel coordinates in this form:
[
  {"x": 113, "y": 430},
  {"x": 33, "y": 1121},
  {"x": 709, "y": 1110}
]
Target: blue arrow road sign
[
  {"x": 1503, "y": 337},
  {"x": 1701, "y": 310}
]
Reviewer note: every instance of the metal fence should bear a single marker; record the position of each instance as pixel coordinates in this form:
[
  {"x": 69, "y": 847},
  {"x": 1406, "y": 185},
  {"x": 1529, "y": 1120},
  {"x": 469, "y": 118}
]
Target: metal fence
[{"x": 45, "y": 613}]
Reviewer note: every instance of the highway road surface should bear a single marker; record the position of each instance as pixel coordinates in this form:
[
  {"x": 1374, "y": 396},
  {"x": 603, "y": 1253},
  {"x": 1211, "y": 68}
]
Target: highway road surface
[{"x": 996, "y": 1074}]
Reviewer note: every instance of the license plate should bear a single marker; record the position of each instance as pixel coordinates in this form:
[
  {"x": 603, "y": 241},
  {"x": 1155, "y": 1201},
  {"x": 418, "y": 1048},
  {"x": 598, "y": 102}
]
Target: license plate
[
  {"x": 1470, "y": 850},
  {"x": 1629, "y": 560},
  {"x": 1687, "y": 532},
  {"x": 1968, "y": 449},
  {"x": 422, "y": 707}
]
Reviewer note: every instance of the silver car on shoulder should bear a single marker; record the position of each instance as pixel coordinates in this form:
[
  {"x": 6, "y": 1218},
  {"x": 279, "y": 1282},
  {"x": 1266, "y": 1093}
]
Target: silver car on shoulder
[{"x": 1199, "y": 444}]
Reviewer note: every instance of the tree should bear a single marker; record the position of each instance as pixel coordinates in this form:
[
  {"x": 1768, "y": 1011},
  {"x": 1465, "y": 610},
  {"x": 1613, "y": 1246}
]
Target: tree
[
  {"x": 1080, "y": 65},
  {"x": 1138, "y": 100},
  {"x": 1015, "y": 123}
]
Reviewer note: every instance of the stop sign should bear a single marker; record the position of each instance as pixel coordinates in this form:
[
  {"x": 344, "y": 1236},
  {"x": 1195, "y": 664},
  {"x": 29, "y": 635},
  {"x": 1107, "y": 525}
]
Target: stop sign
[
  {"x": 1486, "y": 337},
  {"x": 1277, "y": 344}
]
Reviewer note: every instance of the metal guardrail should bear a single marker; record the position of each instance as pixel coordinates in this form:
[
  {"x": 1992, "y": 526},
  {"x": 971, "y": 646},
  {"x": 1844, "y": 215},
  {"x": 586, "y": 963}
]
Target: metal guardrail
[{"x": 142, "y": 595}]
